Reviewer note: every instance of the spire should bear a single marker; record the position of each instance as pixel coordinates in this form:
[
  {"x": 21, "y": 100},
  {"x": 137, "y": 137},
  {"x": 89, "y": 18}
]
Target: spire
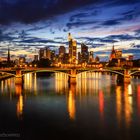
[
  {"x": 69, "y": 37},
  {"x": 112, "y": 53},
  {"x": 113, "y": 47}
]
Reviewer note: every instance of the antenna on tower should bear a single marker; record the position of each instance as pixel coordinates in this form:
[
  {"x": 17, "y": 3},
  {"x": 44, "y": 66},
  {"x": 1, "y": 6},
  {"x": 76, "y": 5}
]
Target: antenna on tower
[{"x": 69, "y": 37}]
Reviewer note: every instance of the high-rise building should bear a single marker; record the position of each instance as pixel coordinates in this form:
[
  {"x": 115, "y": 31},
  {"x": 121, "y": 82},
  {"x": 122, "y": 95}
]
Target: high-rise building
[
  {"x": 66, "y": 58},
  {"x": 79, "y": 57},
  {"x": 53, "y": 56},
  {"x": 47, "y": 53},
  {"x": 84, "y": 53},
  {"x": 35, "y": 57},
  {"x": 91, "y": 57},
  {"x": 72, "y": 49},
  {"x": 41, "y": 53},
  {"x": 8, "y": 56},
  {"x": 62, "y": 50}
]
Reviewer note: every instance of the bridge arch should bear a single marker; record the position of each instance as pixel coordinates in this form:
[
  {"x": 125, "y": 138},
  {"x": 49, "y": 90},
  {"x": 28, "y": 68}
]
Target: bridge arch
[
  {"x": 8, "y": 73},
  {"x": 134, "y": 72},
  {"x": 103, "y": 70},
  {"x": 55, "y": 71}
]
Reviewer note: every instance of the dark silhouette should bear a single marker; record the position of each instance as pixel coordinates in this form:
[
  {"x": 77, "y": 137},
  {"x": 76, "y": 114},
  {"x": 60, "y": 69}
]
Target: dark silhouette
[{"x": 44, "y": 63}]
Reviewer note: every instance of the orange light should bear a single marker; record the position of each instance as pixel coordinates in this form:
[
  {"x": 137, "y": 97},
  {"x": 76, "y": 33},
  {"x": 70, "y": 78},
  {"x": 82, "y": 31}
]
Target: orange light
[
  {"x": 71, "y": 105},
  {"x": 101, "y": 68},
  {"x": 101, "y": 103}
]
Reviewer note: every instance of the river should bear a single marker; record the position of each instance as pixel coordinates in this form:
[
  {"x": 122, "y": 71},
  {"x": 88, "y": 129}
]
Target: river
[{"x": 46, "y": 107}]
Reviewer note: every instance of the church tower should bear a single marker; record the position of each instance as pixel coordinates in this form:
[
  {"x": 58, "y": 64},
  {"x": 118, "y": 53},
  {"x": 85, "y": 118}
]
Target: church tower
[{"x": 112, "y": 55}]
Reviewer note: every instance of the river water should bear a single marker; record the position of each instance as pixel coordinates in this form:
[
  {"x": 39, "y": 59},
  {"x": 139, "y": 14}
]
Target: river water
[{"x": 46, "y": 107}]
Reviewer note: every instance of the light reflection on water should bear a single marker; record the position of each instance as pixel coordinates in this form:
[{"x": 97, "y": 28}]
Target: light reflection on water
[{"x": 94, "y": 94}]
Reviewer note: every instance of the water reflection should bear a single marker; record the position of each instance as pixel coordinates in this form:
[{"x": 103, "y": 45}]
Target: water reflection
[
  {"x": 92, "y": 90},
  {"x": 62, "y": 86},
  {"x": 119, "y": 104},
  {"x": 101, "y": 104},
  {"x": 30, "y": 83},
  {"x": 20, "y": 107},
  {"x": 138, "y": 99},
  {"x": 71, "y": 101},
  {"x": 87, "y": 83},
  {"x": 61, "y": 82},
  {"x": 128, "y": 110}
]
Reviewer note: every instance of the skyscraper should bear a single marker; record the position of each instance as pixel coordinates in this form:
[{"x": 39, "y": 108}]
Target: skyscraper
[
  {"x": 41, "y": 53},
  {"x": 35, "y": 57},
  {"x": 8, "y": 56},
  {"x": 62, "y": 50},
  {"x": 91, "y": 57},
  {"x": 72, "y": 49},
  {"x": 47, "y": 53},
  {"x": 79, "y": 57},
  {"x": 84, "y": 53}
]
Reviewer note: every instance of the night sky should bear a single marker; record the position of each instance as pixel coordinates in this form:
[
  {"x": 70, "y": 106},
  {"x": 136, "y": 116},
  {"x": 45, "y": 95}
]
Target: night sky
[{"x": 27, "y": 25}]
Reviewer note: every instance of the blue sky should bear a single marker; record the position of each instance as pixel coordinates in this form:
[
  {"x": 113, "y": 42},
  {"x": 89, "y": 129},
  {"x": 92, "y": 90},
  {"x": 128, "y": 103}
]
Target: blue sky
[{"x": 27, "y": 25}]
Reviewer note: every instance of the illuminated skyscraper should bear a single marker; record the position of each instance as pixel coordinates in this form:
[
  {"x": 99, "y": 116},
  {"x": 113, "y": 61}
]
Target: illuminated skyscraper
[
  {"x": 72, "y": 49},
  {"x": 8, "y": 56}
]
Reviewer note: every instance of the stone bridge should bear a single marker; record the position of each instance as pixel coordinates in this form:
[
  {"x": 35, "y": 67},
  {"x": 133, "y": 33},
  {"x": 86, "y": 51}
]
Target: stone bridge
[{"x": 72, "y": 72}]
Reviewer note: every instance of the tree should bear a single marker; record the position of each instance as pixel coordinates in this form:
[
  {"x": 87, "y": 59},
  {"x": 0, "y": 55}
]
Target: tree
[{"x": 44, "y": 63}]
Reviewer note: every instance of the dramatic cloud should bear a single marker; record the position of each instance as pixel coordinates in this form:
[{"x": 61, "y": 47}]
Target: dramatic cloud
[
  {"x": 111, "y": 22},
  {"x": 29, "y": 11},
  {"x": 79, "y": 24},
  {"x": 28, "y": 25},
  {"x": 123, "y": 37}
]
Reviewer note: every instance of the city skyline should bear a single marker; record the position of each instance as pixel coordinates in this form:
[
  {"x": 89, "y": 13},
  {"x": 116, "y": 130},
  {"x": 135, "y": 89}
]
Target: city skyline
[{"x": 47, "y": 23}]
